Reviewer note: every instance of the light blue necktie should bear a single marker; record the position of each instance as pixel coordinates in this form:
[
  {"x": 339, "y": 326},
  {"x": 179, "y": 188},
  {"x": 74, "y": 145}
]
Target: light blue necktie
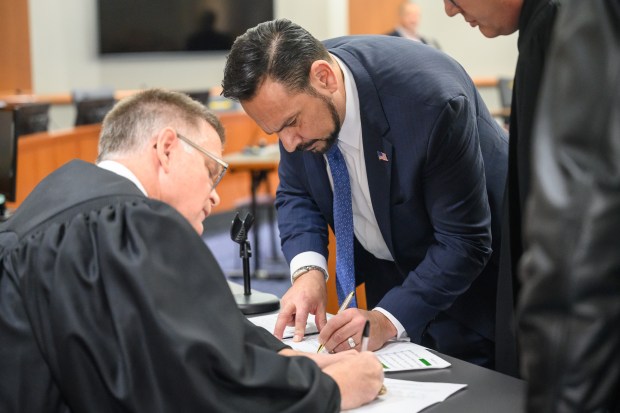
[{"x": 343, "y": 225}]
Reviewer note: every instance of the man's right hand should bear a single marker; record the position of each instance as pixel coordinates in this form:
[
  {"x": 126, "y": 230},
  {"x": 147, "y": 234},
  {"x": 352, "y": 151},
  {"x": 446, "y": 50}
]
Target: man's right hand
[
  {"x": 307, "y": 295},
  {"x": 359, "y": 379}
]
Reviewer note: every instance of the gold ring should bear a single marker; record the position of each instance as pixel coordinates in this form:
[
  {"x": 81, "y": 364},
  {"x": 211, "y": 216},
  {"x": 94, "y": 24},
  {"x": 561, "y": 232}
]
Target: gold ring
[{"x": 382, "y": 390}]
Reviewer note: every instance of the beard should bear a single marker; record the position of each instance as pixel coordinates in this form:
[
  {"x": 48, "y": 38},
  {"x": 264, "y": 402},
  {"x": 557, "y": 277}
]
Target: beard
[{"x": 329, "y": 140}]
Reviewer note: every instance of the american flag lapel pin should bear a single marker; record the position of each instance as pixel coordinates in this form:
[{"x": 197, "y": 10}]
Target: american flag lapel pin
[{"x": 382, "y": 156}]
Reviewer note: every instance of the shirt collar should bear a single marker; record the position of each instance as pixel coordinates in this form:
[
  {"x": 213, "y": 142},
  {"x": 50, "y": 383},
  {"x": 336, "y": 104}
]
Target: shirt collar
[
  {"x": 123, "y": 171},
  {"x": 351, "y": 127}
]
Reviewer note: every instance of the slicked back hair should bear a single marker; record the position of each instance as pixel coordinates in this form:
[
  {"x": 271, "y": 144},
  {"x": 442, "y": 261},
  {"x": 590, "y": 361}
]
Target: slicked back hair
[
  {"x": 279, "y": 50},
  {"x": 133, "y": 121}
]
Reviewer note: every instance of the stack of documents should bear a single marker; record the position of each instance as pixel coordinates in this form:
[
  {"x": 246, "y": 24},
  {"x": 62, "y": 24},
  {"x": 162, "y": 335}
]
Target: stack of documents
[
  {"x": 394, "y": 355},
  {"x": 401, "y": 395}
]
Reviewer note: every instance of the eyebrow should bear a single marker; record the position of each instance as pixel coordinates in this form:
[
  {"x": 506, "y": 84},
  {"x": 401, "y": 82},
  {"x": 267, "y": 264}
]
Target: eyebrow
[{"x": 285, "y": 124}]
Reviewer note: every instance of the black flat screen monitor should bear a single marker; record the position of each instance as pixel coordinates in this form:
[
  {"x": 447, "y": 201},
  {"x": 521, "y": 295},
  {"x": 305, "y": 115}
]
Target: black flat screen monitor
[
  {"x": 91, "y": 111},
  {"x": 139, "y": 26},
  {"x": 8, "y": 159},
  {"x": 31, "y": 118}
]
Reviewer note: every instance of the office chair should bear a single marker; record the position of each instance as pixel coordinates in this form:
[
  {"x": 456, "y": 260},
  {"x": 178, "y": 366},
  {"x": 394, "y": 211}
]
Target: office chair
[
  {"x": 201, "y": 96},
  {"x": 31, "y": 118},
  {"x": 92, "y": 104}
]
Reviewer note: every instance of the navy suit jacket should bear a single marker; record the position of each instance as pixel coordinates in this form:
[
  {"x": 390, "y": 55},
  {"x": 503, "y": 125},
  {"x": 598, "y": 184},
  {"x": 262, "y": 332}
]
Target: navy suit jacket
[{"x": 435, "y": 209}]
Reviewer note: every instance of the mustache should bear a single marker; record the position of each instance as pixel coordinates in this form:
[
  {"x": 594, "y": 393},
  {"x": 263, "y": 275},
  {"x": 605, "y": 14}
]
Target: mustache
[{"x": 303, "y": 146}]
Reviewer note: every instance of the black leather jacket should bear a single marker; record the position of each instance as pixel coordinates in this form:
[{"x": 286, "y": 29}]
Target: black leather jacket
[{"x": 569, "y": 309}]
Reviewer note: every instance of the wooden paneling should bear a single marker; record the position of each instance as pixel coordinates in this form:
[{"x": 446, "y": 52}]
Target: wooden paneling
[
  {"x": 41, "y": 153},
  {"x": 373, "y": 17},
  {"x": 15, "y": 69}
]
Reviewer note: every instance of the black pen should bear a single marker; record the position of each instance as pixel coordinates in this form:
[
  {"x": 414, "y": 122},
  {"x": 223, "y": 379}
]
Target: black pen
[
  {"x": 365, "y": 338},
  {"x": 365, "y": 335}
]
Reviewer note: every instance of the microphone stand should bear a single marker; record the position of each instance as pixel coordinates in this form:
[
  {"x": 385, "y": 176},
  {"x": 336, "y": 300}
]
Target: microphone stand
[{"x": 248, "y": 302}]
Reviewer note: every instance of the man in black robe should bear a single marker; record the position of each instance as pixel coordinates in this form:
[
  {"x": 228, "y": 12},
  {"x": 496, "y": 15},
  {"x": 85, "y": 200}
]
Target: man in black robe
[
  {"x": 569, "y": 307},
  {"x": 110, "y": 301},
  {"x": 534, "y": 19}
]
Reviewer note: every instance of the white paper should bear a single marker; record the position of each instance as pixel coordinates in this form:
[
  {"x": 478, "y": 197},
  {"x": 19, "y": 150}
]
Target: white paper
[
  {"x": 395, "y": 355},
  {"x": 268, "y": 322},
  {"x": 404, "y": 355},
  {"x": 409, "y": 396},
  {"x": 309, "y": 344}
]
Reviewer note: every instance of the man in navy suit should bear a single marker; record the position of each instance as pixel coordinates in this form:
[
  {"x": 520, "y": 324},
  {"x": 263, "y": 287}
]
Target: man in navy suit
[{"x": 427, "y": 166}]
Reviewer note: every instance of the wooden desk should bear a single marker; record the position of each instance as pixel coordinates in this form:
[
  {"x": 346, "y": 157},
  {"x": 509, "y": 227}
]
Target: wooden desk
[
  {"x": 53, "y": 98},
  {"x": 486, "y": 391}
]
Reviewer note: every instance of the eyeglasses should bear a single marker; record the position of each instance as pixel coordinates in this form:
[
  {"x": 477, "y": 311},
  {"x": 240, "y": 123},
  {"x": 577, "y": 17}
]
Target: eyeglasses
[
  {"x": 222, "y": 166},
  {"x": 455, "y": 4}
]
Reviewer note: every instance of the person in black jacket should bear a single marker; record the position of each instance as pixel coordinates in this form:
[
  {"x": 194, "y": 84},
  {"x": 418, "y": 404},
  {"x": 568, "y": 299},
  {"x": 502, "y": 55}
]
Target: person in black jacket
[
  {"x": 111, "y": 302},
  {"x": 534, "y": 19},
  {"x": 569, "y": 309}
]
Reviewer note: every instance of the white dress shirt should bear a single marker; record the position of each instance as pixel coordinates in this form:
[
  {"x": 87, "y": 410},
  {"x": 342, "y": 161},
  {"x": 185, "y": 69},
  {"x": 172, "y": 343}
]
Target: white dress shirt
[
  {"x": 123, "y": 171},
  {"x": 365, "y": 223}
]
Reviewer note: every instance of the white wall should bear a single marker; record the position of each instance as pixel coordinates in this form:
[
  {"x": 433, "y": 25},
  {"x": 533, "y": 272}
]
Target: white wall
[
  {"x": 478, "y": 55},
  {"x": 64, "y": 50}
]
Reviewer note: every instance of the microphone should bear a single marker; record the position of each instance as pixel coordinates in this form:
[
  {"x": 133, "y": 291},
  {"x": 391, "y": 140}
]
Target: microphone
[
  {"x": 240, "y": 228},
  {"x": 239, "y": 234},
  {"x": 248, "y": 302}
]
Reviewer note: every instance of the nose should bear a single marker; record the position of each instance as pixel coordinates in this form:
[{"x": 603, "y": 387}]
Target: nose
[
  {"x": 450, "y": 8},
  {"x": 290, "y": 140},
  {"x": 214, "y": 197}
]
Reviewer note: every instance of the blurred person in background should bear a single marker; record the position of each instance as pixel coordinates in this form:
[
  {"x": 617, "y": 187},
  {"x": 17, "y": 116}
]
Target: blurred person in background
[
  {"x": 409, "y": 15},
  {"x": 534, "y": 19}
]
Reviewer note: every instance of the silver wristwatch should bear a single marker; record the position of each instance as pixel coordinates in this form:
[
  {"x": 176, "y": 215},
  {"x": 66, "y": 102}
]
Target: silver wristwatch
[{"x": 302, "y": 270}]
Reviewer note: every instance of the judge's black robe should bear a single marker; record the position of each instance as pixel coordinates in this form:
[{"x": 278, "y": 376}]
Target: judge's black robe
[
  {"x": 535, "y": 27},
  {"x": 110, "y": 302}
]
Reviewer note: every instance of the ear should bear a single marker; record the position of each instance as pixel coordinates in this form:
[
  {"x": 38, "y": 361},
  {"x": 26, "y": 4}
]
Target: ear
[
  {"x": 165, "y": 141},
  {"x": 323, "y": 77}
]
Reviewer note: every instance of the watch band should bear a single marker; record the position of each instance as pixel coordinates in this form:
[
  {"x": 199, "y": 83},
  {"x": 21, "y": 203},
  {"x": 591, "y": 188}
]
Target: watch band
[{"x": 302, "y": 270}]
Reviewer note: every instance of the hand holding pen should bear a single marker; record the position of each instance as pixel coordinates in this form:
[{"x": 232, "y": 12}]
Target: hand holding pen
[
  {"x": 343, "y": 307},
  {"x": 365, "y": 338}
]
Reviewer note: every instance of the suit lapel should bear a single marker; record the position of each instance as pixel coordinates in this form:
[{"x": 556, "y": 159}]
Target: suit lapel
[
  {"x": 379, "y": 172},
  {"x": 316, "y": 170},
  {"x": 376, "y": 142}
]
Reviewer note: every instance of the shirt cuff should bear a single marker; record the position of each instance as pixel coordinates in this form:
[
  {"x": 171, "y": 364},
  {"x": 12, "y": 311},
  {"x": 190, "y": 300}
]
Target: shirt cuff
[
  {"x": 400, "y": 330},
  {"x": 307, "y": 258}
]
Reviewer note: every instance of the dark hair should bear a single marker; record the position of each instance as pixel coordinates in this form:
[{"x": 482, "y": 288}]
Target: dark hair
[{"x": 279, "y": 50}]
